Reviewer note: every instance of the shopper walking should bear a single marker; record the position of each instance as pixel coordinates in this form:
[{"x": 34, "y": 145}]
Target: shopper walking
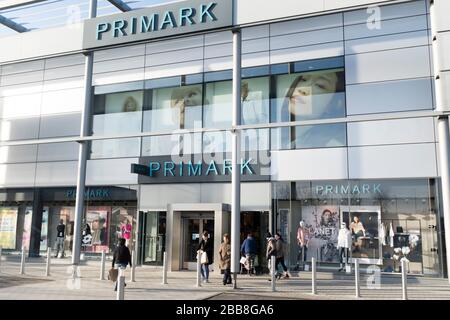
[
  {"x": 60, "y": 237},
  {"x": 248, "y": 248},
  {"x": 121, "y": 258},
  {"x": 225, "y": 259},
  {"x": 205, "y": 254},
  {"x": 280, "y": 249}
]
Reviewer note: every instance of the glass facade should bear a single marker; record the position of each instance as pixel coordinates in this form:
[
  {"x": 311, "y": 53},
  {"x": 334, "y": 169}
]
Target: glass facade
[
  {"x": 388, "y": 219},
  {"x": 297, "y": 91}
]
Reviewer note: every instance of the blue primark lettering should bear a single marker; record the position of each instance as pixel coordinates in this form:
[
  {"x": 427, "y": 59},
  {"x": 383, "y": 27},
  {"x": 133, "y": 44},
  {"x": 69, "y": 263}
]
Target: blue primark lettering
[
  {"x": 377, "y": 188},
  {"x": 152, "y": 169},
  {"x": 181, "y": 169},
  {"x": 226, "y": 166},
  {"x": 101, "y": 28},
  {"x": 133, "y": 25},
  {"x": 168, "y": 19},
  {"x": 245, "y": 166},
  {"x": 151, "y": 25},
  {"x": 206, "y": 11},
  {"x": 197, "y": 170},
  {"x": 186, "y": 15},
  {"x": 119, "y": 26},
  {"x": 169, "y": 169},
  {"x": 212, "y": 167}
]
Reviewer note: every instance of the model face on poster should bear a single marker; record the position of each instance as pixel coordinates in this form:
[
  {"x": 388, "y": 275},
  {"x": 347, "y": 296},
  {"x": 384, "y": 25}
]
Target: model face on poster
[
  {"x": 312, "y": 94},
  {"x": 185, "y": 97}
]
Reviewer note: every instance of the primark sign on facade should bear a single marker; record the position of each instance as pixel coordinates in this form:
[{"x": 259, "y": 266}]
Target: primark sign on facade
[{"x": 156, "y": 22}]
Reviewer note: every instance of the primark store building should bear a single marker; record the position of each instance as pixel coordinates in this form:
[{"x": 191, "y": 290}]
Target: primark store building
[{"x": 339, "y": 110}]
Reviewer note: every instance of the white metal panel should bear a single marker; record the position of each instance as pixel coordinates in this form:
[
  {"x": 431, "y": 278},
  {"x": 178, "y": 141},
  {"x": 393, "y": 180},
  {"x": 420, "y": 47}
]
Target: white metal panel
[
  {"x": 64, "y": 125},
  {"x": 118, "y": 76},
  {"x": 255, "y": 32},
  {"x": 418, "y": 130},
  {"x": 41, "y": 43},
  {"x": 62, "y": 84},
  {"x": 305, "y": 53},
  {"x": 306, "y": 38},
  {"x": 218, "y": 50},
  {"x": 217, "y": 64},
  {"x": 181, "y": 55},
  {"x": 444, "y": 49},
  {"x": 442, "y": 10},
  {"x": 19, "y": 129},
  {"x": 416, "y": 23},
  {"x": 58, "y": 152},
  {"x": 119, "y": 53},
  {"x": 23, "y": 67},
  {"x": 21, "y": 89},
  {"x": 61, "y": 101},
  {"x": 255, "y": 45},
  {"x": 445, "y": 78},
  {"x": 174, "y": 44},
  {"x": 64, "y": 61},
  {"x": 17, "y": 175},
  {"x": 119, "y": 64},
  {"x": 14, "y": 154},
  {"x": 218, "y": 38},
  {"x": 19, "y": 78},
  {"x": 396, "y": 41},
  {"x": 255, "y": 59},
  {"x": 309, "y": 164},
  {"x": 306, "y": 24},
  {"x": 174, "y": 69},
  {"x": 21, "y": 106},
  {"x": 394, "y": 161},
  {"x": 64, "y": 72},
  {"x": 159, "y": 196},
  {"x": 389, "y": 96},
  {"x": 111, "y": 172},
  {"x": 56, "y": 173},
  {"x": 387, "y": 12},
  {"x": 388, "y": 65}
]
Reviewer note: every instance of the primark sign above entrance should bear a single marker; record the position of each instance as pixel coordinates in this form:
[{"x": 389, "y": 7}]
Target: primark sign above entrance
[{"x": 156, "y": 22}]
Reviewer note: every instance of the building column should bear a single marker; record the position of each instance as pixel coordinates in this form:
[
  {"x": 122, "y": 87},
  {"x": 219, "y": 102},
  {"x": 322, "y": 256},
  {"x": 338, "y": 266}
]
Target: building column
[
  {"x": 443, "y": 131},
  {"x": 83, "y": 148},
  {"x": 235, "y": 158},
  {"x": 36, "y": 225}
]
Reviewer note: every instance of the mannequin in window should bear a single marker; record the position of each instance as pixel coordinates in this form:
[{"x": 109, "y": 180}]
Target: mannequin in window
[
  {"x": 302, "y": 240},
  {"x": 344, "y": 244}
]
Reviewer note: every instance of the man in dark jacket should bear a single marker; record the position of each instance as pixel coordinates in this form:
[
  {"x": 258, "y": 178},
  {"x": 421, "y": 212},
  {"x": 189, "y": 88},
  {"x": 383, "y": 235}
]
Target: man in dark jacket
[
  {"x": 121, "y": 257},
  {"x": 60, "y": 237},
  {"x": 248, "y": 248}
]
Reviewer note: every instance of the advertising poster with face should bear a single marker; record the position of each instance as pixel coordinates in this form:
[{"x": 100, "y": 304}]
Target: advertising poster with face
[
  {"x": 8, "y": 222},
  {"x": 323, "y": 225},
  {"x": 98, "y": 222}
]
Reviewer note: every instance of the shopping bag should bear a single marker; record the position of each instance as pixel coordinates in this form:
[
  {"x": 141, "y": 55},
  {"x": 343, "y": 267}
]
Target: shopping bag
[
  {"x": 243, "y": 260},
  {"x": 113, "y": 274},
  {"x": 204, "y": 258}
]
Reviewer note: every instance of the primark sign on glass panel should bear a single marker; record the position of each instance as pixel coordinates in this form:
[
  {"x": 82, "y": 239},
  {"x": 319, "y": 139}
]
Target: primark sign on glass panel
[{"x": 157, "y": 21}]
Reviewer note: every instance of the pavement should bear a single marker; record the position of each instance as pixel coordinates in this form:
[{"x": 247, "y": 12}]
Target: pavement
[{"x": 34, "y": 285}]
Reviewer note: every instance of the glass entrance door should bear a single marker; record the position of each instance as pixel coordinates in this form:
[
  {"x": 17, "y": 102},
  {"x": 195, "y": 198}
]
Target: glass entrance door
[
  {"x": 153, "y": 237},
  {"x": 192, "y": 230}
]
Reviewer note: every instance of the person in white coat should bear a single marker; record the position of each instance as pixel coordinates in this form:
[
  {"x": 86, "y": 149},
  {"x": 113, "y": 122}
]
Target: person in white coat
[{"x": 344, "y": 244}]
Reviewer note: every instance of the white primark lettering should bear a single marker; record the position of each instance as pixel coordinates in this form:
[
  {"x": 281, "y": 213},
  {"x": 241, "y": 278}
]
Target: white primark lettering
[{"x": 193, "y": 310}]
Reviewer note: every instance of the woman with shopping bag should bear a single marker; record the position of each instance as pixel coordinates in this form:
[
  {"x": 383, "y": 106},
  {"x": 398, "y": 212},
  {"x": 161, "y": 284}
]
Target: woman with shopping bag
[
  {"x": 121, "y": 258},
  {"x": 205, "y": 254}
]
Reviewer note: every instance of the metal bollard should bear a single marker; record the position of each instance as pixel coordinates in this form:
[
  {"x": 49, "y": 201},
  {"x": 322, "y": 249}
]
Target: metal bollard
[
  {"x": 22, "y": 262},
  {"x": 272, "y": 266},
  {"x": 404, "y": 281},
  {"x": 313, "y": 269},
  {"x": 49, "y": 257},
  {"x": 199, "y": 266},
  {"x": 357, "y": 282},
  {"x": 164, "y": 281},
  {"x": 133, "y": 267},
  {"x": 121, "y": 285},
  {"x": 102, "y": 265}
]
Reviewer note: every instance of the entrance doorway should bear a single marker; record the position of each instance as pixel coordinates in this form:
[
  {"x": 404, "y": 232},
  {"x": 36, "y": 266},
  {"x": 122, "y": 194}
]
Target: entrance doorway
[
  {"x": 193, "y": 226},
  {"x": 153, "y": 233}
]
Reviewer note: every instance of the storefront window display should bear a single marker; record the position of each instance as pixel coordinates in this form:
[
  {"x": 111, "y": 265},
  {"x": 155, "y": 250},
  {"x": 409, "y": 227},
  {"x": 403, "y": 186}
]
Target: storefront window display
[
  {"x": 8, "y": 223},
  {"x": 388, "y": 220}
]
